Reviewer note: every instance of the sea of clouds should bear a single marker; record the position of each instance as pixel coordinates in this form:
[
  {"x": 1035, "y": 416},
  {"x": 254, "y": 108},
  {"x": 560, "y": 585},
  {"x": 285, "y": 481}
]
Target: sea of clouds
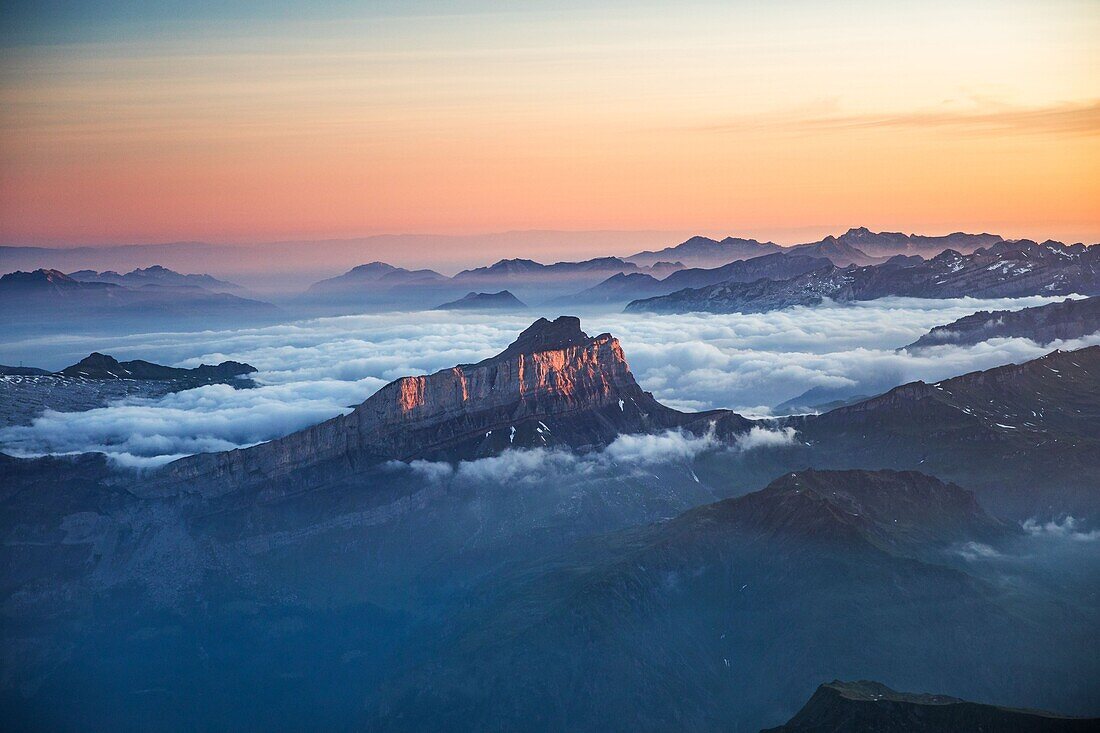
[{"x": 315, "y": 369}]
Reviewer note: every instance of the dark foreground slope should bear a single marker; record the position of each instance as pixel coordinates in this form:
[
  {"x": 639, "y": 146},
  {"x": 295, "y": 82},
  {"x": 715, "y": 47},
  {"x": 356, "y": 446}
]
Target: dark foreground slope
[
  {"x": 725, "y": 617},
  {"x": 856, "y": 707}
]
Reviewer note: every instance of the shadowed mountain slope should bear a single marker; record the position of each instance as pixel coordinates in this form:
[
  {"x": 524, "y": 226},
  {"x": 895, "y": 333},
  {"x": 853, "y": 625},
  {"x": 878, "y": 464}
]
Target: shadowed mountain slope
[{"x": 725, "y": 616}]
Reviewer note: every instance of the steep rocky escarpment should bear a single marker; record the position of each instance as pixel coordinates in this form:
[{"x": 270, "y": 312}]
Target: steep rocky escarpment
[{"x": 554, "y": 386}]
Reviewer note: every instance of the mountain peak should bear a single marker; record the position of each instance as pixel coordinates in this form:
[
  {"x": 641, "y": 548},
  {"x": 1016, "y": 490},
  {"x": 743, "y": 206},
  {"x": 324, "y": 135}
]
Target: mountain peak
[
  {"x": 473, "y": 300},
  {"x": 546, "y": 335}
]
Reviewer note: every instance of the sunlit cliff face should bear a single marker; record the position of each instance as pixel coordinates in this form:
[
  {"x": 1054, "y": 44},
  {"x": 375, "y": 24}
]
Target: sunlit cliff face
[{"x": 589, "y": 371}]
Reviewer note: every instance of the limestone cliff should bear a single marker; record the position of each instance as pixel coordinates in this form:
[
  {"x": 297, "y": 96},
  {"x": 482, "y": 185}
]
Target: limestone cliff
[{"x": 553, "y": 386}]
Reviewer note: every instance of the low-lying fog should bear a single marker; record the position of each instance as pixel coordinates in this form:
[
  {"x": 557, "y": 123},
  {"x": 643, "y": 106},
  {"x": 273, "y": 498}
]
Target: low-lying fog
[{"x": 312, "y": 370}]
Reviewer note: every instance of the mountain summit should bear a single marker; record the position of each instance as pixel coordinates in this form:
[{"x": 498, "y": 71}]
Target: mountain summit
[{"x": 553, "y": 386}]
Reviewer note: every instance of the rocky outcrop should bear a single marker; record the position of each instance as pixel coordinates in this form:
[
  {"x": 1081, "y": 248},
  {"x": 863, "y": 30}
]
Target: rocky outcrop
[
  {"x": 553, "y": 386},
  {"x": 1070, "y": 319}
]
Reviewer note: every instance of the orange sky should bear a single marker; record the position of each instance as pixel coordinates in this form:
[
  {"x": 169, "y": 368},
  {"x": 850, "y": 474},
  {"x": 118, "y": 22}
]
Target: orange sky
[{"x": 715, "y": 117}]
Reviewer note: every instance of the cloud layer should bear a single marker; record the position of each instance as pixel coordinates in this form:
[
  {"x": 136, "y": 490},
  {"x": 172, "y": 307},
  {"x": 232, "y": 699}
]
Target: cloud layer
[{"x": 314, "y": 370}]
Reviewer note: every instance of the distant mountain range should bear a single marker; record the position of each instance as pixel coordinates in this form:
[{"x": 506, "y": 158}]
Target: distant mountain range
[
  {"x": 1070, "y": 319},
  {"x": 889, "y": 244},
  {"x": 101, "y": 366},
  {"x": 1006, "y": 269},
  {"x": 378, "y": 284},
  {"x": 46, "y": 300},
  {"x": 706, "y": 252},
  {"x": 623, "y": 288},
  {"x": 376, "y": 274},
  {"x": 859, "y": 246},
  {"x": 157, "y": 275},
  {"x": 608, "y": 280},
  {"x": 857, "y": 707},
  {"x": 738, "y": 274}
]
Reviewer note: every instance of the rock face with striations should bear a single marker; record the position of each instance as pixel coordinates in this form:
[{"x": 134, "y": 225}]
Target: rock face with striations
[{"x": 553, "y": 386}]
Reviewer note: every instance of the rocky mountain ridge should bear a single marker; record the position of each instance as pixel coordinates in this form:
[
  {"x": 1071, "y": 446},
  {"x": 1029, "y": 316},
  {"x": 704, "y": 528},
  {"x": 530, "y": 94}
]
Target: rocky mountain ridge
[
  {"x": 1069, "y": 319},
  {"x": 623, "y": 288},
  {"x": 1003, "y": 270},
  {"x": 553, "y": 386},
  {"x": 156, "y": 275}
]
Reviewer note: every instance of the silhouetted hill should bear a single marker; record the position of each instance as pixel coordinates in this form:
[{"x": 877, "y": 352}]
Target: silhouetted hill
[
  {"x": 706, "y": 252},
  {"x": 484, "y": 301},
  {"x": 101, "y": 366}
]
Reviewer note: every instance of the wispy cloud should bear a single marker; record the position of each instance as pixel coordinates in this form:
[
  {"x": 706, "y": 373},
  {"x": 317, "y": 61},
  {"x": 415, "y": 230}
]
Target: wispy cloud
[
  {"x": 1059, "y": 119},
  {"x": 1069, "y": 118},
  {"x": 314, "y": 370}
]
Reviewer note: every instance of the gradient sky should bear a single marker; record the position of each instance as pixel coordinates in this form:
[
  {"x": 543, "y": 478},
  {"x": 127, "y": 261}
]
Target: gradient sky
[{"x": 235, "y": 122}]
